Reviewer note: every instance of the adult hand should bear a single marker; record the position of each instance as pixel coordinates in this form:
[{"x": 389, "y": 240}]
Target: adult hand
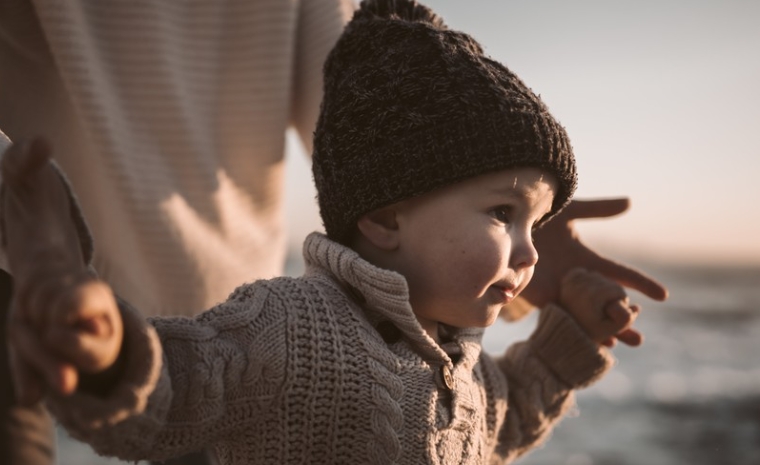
[
  {"x": 560, "y": 250},
  {"x": 62, "y": 320}
]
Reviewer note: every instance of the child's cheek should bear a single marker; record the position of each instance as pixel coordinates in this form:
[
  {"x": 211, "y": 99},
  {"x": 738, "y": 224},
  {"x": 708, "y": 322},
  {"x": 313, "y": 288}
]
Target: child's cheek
[{"x": 485, "y": 265}]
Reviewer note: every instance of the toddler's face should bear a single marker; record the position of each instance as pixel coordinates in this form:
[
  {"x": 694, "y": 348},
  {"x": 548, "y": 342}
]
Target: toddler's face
[{"x": 466, "y": 250}]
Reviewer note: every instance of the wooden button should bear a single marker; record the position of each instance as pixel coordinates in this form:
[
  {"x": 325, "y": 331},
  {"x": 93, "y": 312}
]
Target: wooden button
[{"x": 448, "y": 378}]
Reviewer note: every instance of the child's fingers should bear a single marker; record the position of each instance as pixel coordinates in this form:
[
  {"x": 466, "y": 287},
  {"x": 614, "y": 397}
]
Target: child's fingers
[
  {"x": 90, "y": 299},
  {"x": 630, "y": 337},
  {"x": 618, "y": 318},
  {"x": 75, "y": 346},
  {"x": 583, "y": 290},
  {"x": 53, "y": 296},
  {"x": 619, "y": 315},
  {"x": 89, "y": 353},
  {"x": 78, "y": 320},
  {"x": 88, "y": 331}
]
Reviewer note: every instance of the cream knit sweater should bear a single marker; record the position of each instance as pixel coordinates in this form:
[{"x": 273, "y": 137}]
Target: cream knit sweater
[
  {"x": 331, "y": 367},
  {"x": 169, "y": 118}
]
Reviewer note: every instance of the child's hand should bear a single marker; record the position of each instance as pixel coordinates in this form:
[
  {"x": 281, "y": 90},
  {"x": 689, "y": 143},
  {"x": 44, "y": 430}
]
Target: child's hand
[
  {"x": 63, "y": 322},
  {"x": 600, "y": 306}
]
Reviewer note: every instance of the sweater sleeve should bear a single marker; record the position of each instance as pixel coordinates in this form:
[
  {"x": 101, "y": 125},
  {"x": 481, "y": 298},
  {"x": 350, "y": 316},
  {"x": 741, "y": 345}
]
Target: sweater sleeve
[
  {"x": 541, "y": 376},
  {"x": 187, "y": 382},
  {"x": 320, "y": 23}
]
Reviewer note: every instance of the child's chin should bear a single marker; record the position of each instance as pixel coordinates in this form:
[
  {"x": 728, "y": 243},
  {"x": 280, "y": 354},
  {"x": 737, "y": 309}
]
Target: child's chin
[
  {"x": 516, "y": 310},
  {"x": 487, "y": 319},
  {"x": 492, "y": 318}
]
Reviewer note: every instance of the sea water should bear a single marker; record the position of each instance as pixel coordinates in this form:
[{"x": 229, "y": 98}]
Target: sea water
[{"x": 689, "y": 394}]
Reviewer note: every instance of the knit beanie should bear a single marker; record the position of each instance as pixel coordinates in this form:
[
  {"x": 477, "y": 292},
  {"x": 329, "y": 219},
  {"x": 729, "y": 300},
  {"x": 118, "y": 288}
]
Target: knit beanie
[{"x": 410, "y": 106}]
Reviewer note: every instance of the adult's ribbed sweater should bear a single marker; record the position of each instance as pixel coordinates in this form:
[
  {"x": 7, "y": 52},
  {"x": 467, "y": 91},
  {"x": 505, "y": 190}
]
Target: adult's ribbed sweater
[{"x": 169, "y": 119}]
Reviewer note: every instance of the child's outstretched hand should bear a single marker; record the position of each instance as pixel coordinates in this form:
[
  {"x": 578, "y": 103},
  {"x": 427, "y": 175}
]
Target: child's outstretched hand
[
  {"x": 63, "y": 321},
  {"x": 600, "y": 306}
]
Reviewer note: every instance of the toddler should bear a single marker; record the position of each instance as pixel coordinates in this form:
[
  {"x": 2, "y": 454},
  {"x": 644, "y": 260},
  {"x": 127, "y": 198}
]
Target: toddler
[{"x": 433, "y": 166}]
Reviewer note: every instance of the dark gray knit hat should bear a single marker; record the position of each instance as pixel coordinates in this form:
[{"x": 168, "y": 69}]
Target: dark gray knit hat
[{"x": 410, "y": 106}]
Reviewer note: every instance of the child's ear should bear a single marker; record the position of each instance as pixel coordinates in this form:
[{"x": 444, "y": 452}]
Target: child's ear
[{"x": 380, "y": 228}]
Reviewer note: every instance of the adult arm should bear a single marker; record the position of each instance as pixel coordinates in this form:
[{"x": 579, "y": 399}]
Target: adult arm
[
  {"x": 320, "y": 23},
  {"x": 29, "y": 215},
  {"x": 170, "y": 384},
  {"x": 5, "y": 142}
]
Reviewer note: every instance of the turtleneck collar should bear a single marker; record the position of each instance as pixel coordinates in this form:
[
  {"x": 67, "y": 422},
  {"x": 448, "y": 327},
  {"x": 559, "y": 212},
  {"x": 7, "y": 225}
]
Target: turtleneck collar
[{"x": 384, "y": 294}]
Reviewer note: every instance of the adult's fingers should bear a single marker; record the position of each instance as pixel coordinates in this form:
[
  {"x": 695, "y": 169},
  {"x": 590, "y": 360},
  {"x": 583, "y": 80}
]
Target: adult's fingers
[
  {"x": 597, "y": 208},
  {"x": 57, "y": 375},
  {"x": 39, "y": 232},
  {"x": 631, "y": 278},
  {"x": 623, "y": 274},
  {"x": 37, "y": 295},
  {"x": 21, "y": 160},
  {"x": 27, "y": 385}
]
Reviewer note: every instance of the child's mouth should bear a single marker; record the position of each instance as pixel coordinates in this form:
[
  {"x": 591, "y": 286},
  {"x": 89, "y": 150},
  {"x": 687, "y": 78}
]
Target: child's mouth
[{"x": 504, "y": 294}]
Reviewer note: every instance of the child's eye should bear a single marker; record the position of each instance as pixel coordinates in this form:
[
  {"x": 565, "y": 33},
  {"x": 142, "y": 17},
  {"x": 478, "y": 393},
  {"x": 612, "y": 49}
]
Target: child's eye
[{"x": 501, "y": 213}]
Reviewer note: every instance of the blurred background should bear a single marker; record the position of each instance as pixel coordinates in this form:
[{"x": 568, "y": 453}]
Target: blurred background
[{"x": 662, "y": 102}]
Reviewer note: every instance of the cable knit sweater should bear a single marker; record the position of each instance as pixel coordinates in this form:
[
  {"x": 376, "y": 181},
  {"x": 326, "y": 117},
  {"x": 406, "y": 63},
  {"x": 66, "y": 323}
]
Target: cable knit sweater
[
  {"x": 169, "y": 119},
  {"x": 331, "y": 367}
]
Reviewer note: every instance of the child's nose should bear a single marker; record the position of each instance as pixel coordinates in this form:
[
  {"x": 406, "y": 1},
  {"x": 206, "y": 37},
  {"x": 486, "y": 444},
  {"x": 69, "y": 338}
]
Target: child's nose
[{"x": 524, "y": 253}]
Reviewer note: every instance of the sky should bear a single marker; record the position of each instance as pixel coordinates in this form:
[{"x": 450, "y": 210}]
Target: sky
[{"x": 661, "y": 100}]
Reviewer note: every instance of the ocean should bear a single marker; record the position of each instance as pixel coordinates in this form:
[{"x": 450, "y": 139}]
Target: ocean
[{"x": 689, "y": 394}]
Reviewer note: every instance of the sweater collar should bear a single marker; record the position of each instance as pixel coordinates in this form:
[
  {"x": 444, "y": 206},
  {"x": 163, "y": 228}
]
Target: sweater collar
[{"x": 384, "y": 294}]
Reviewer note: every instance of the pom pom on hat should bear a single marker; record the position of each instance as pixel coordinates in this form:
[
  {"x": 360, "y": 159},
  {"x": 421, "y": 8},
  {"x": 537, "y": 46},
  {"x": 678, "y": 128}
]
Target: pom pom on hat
[{"x": 407, "y": 10}]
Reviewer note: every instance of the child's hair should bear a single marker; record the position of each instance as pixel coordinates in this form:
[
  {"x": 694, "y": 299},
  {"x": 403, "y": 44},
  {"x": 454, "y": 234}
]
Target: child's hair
[{"x": 410, "y": 105}]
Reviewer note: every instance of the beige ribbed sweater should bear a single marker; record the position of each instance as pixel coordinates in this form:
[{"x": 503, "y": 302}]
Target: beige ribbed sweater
[
  {"x": 332, "y": 368},
  {"x": 169, "y": 118}
]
